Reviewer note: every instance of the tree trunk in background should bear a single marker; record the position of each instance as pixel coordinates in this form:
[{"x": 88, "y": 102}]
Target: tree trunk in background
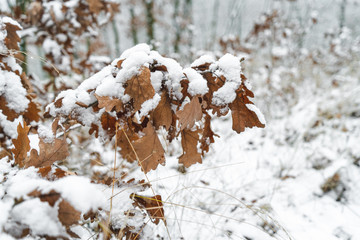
[
  {"x": 342, "y": 15},
  {"x": 177, "y": 26},
  {"x": 150, "y": 20},
  {"x": 214, "y": 22},
  {"x": 133, "y": 25},
  {"x": 189, "y": 27}
]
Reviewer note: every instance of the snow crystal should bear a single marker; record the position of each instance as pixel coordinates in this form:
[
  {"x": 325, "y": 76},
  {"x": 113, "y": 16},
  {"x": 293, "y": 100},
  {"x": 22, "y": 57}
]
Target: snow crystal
[
  {"x": 257, "y": 111},
  {"x": 41, "y": 218},
  {"x": 202, "y": 60},
  {"x": 197, "y": 84},
  {"x": 149, "y": 105}
]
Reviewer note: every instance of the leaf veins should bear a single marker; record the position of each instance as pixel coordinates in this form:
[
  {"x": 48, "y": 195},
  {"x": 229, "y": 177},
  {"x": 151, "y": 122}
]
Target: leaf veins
[
  {"x": 149, "y": 150},
  {"x": 191, "y": 113},
  {"x": 21, "y": 144},
  {"x": 139, "y": 88},
  {"x": 189, "y": 141}
]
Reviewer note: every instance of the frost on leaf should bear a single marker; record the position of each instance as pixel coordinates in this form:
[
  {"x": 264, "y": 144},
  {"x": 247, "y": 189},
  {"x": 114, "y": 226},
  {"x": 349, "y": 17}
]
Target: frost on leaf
[
  {"x": 149, "y": 150},
  {"x": 139, "y": 88},
  {"x": 21, "y": 144},
  {"x": 153, "y": 206},
  {"x": 189, "y": 141},
  {"x": 190, "y": 114}
]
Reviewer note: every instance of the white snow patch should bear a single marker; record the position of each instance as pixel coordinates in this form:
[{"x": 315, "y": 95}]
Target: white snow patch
[{"x": 197, "y": 84}]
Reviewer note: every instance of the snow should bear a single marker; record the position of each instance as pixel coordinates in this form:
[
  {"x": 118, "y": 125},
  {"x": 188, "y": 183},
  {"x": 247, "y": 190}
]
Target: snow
[
  {"x": 197, "y": 84},
  {"x": 13, "y": 91},
  {"x": 229, "y": 67},
  {"x": 9, "y": 127},
  {"x": 52, "y": 47},
  {"x": 39, "y": 216},
  {"x": 149, "y": 105},
  {"x": 79, "y": 192},
  {"x": 202, "y": 60}
]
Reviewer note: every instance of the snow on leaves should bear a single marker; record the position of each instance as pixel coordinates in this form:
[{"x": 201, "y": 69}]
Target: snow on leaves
[
  {"x": 16, "y": 97},
  {"x": 143, "y": 92}
]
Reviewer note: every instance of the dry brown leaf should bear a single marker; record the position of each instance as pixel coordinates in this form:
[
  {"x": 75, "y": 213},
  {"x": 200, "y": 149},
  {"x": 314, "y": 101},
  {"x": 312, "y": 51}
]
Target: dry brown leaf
[
  {"x": 208, "y": 135},
  {"x": 162, "y": 115},
  {"x": 153, "y": 206},
  {"x": 190, "y": 114},
  {"x": 149, "y": 150},
  {"x": 21, "y": 144},
  {"x": 126, "y": 150},
  {"x": 12, "y": 39},
  {"x": 52, "y": 197},
  {"x": 108, "y": 123},
  {"x": 189, "y": 141},
  {"x": 109, "y": 103},
  {"x": 44, "y": 171},
  {"x": 32, "y": 112},
  {"x": 67, "y": 214},
  {"x": 58, "y": 103},
  {"x": 139, "y": 88},
  {"x": 9, "y": 113},
  {"x": 242, "y": 117},
  {"x": 95, "y": 6},
  {"x": 49, "y": 153}
]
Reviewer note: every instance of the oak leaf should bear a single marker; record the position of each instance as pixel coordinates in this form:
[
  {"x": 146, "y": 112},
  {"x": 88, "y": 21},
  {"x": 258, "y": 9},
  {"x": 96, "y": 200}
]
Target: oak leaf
[
  {"x": 243, "y": 117},
  {"x": 32, "y": 112},
  {"x": 21, "y": 144},
  {"x": 124, "y": 139},
  {"x": 189, "y": 142},
  {"x": 153, "y": 206},
  {"x": 139, "y": 88},
  {"x": 51, "y": 197},
  {"x": 191, "y": 113},
  {"x": 207, "y": 135},
  {"x": 9, "y": 113},
  {"x": 12, "y": 38},
  {"x": 108, "y": 123},
  {"x": 49, "y": 153},
  {"x": 109, "y": 103},
  {"x": 95, "y": 6},
  {"x": 149, "y": 150},
  {"x": 67, "y": 214},
  {"x": 162, "y": 115}
]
